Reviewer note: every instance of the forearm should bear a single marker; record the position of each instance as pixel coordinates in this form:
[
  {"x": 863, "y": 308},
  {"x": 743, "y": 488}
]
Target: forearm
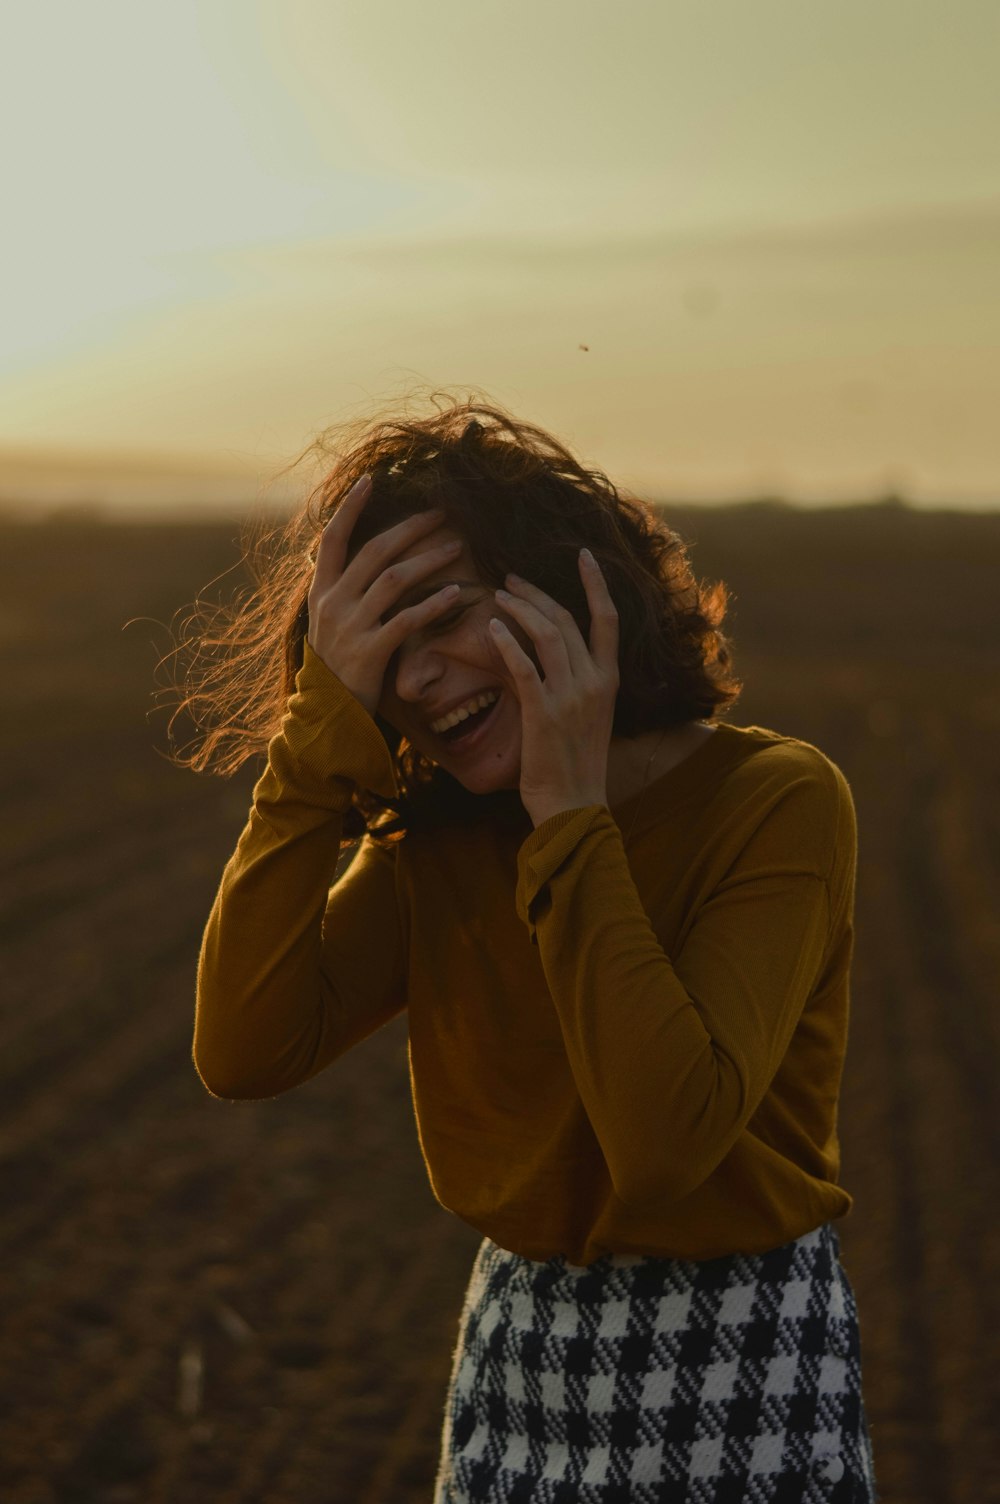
[
  {"x": 259, "y": 1015},
  {"x": 670, "y": 1054},
  {"x": 269, "y": 1012}
]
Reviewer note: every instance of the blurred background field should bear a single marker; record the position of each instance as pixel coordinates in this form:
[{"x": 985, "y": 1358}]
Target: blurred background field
[{"x": 216, "y": 1303}]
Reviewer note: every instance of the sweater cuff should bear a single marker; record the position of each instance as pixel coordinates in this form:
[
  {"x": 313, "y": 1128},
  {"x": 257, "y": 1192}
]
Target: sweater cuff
[
  {"x": 548, "y": 848},
  {"x": 334, "y": 744}
]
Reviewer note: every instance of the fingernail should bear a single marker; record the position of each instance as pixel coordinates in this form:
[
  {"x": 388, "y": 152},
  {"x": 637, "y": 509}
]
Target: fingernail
[
  {"x": 360, "y": 485},
  {"x": 502, "y": 595},
  {"x": 586, "y": 556}
]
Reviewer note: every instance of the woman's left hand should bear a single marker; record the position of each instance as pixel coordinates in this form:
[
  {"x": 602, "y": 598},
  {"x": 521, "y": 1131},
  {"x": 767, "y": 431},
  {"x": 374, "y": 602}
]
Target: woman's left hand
[{"x": 566, "y": 719}]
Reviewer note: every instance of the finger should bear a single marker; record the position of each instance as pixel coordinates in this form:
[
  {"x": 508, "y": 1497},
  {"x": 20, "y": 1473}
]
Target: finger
[
  {"x": 373, "y": 557},
  {"x": 556, "y": 613},
  {"x": 603, "y": 613},
  {"x": 555, "y": 634},
  {"x": 382, "y": 596},
  {"x": 332, "y": 558},
  {"x": 336, "y": 537},
  {"x": 411, "y": 618},
  {"x": 524, "y": 673}
]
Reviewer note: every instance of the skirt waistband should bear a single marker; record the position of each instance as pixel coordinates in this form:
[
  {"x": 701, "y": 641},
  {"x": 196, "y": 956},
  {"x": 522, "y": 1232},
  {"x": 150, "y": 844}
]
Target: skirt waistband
[{"x": 813, "y": 1253}]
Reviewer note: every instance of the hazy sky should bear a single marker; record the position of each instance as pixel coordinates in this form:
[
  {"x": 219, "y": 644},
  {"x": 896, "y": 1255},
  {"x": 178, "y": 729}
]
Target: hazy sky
[{"x": 775, "y": 225}]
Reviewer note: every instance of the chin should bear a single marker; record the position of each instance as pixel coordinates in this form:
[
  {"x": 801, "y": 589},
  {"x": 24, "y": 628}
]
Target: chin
[
  {"x": 486, "y": 775},
  {"x": 479, "y": 777},
  {"x": 485, "y": 780}
]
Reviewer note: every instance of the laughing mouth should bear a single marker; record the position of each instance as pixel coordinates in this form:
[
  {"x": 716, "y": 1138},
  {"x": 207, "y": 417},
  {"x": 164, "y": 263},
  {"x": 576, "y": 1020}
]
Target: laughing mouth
[
  {"x": 473, "y": 709},
  {"x": 466, "y": 728}
]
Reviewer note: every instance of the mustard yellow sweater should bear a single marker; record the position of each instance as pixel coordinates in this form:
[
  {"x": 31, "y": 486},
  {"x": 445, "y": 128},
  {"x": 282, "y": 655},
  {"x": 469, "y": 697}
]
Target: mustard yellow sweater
[{"x": 631, "y": 1052}]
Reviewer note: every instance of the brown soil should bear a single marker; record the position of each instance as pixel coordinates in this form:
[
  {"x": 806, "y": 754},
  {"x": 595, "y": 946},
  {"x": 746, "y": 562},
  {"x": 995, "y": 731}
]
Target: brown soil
[{"x": 254, "y": 1303}]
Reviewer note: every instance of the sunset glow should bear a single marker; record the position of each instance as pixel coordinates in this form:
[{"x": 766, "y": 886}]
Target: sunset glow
[{"x": 721, "y": 251}]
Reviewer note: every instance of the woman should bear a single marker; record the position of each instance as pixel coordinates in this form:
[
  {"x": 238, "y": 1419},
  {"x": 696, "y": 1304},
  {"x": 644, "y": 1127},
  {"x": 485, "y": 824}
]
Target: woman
[{"x": 622, "y": 930}]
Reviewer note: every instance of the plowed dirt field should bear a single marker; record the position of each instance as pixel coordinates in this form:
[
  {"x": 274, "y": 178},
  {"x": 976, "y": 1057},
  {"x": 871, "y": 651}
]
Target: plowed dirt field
[{"x": 208, "y": 1302}]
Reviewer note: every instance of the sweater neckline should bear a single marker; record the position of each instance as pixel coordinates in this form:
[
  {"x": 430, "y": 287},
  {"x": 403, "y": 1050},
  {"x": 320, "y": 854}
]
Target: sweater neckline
[{"x": 686, "y": 776}]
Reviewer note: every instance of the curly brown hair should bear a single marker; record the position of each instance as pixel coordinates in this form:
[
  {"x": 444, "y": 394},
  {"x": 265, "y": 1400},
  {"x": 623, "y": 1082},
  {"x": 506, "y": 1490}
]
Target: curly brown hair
[{"x": 523, "y": 504}]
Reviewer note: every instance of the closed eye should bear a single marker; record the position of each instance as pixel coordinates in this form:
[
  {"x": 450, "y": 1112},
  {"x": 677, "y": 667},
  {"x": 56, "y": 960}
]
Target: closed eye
[
  {"x": 453, "y": 615},
  {"x": 444, "y": 622}
]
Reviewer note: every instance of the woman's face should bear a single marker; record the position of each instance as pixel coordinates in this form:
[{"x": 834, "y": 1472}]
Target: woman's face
[{"x": 449, "y": 662}]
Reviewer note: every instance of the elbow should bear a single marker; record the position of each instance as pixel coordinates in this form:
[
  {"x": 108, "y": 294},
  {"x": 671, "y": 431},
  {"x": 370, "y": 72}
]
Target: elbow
[
  {"x": 228, "y": 1088},
  {"x": 223, "y": 1079},
  {"x": 642, "y": 1187},
  {"x": 683, "y": 1159},
  {"x": 253, "y": 1078}
]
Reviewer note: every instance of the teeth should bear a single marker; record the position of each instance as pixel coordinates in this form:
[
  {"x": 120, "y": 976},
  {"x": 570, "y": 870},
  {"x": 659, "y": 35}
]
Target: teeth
[{"x": 462, "y": 712}]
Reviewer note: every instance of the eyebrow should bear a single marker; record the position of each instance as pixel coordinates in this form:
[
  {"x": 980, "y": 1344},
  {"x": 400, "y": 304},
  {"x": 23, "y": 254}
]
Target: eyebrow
[{"x": 421, "y": 592}]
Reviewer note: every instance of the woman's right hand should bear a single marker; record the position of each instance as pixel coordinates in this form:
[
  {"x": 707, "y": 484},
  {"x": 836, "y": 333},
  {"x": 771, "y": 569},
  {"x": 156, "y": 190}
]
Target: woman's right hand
[{"x": 346, "y": 601}]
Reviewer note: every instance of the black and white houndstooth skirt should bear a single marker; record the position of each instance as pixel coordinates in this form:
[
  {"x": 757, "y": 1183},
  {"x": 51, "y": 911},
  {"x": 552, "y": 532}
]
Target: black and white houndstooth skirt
[{"x": 643, "y": 1380}]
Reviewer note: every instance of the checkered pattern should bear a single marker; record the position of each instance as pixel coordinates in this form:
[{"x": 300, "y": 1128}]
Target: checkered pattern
[{"x": 639, "y": 1380}]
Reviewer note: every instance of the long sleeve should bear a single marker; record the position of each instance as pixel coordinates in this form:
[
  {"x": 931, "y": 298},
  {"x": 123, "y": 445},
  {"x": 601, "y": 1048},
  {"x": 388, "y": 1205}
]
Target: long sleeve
[
  {"x": 292, "y": 972},
  {"x": 671, "y": 1055}
]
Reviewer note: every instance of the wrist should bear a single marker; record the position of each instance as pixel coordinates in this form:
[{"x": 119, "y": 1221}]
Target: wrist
[{"x": 540, "y": 811}]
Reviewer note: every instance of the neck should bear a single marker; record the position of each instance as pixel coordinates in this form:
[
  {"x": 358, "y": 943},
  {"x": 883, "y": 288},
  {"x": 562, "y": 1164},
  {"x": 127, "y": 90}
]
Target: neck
[{"x": 635, "y": 761}]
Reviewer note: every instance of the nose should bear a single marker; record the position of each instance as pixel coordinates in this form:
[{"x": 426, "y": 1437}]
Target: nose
[{"x": 418, "y": 667}]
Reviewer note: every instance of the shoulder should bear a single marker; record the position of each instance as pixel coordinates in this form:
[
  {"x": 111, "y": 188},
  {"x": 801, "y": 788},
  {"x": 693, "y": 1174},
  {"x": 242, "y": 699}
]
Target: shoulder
[
  {"x": 760, "y": 757},
  {"x": 792, "y": 787}
]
